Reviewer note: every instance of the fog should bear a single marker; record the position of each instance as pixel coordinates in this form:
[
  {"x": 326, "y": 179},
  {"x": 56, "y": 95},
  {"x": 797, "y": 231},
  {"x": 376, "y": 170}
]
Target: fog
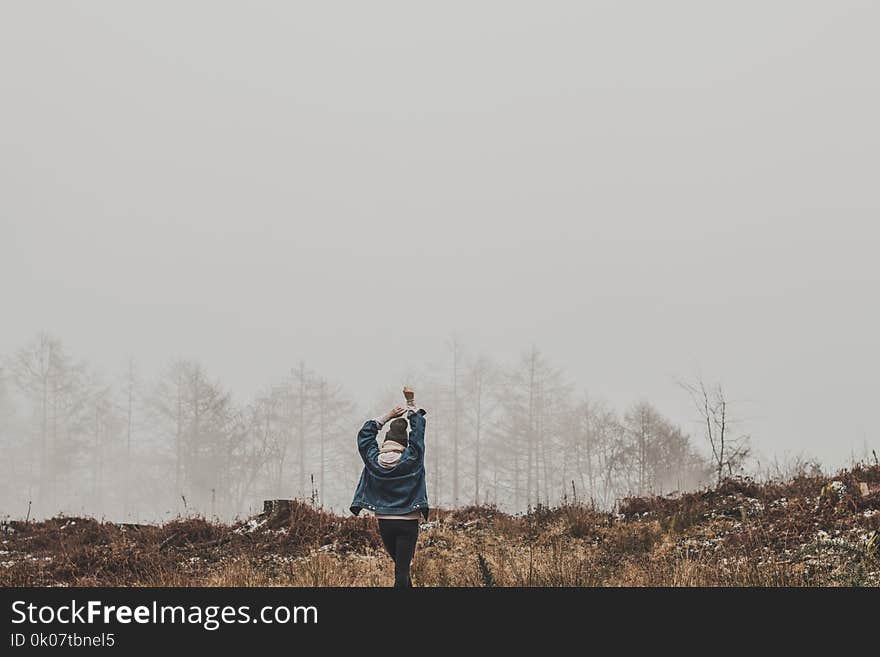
[{"x": 642, "y": 192}]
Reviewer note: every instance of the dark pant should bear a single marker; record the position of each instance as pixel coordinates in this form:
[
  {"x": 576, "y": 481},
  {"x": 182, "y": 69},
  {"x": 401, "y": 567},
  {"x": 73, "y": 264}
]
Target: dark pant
[{"x": 399, "y": 537}]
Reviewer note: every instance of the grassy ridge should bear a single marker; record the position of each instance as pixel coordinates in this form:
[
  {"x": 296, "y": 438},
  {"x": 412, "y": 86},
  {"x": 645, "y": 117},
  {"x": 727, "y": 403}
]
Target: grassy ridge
[{"x": 808, "y": 531}]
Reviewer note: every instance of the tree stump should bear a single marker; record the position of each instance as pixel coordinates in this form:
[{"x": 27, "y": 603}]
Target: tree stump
[
  {"x": 276, "y": 507},
  {"x": 277, "y": 513}
]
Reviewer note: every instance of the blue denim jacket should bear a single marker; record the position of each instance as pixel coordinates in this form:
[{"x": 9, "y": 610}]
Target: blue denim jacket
[{"x": 397, "y": 490}]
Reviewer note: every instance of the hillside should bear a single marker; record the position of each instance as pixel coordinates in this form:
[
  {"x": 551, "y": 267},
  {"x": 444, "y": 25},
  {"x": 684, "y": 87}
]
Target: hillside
[{"x": 808, "y": 531}]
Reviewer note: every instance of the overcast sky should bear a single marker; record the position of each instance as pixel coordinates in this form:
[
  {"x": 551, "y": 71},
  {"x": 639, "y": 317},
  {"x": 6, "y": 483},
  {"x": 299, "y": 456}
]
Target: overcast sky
[{"x": 645, "y": 190}]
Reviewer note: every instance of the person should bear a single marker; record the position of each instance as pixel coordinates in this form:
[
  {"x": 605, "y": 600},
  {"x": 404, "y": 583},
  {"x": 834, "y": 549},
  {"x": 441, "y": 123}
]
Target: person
[{"x": 392, "y": 483}]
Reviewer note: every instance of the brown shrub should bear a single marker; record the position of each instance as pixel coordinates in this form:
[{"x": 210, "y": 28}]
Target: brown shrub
[{"x": 739, "y": 534}]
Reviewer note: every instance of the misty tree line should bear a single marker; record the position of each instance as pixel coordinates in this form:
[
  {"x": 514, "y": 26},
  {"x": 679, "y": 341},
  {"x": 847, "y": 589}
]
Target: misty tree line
[{"x": 515, "y": 435}]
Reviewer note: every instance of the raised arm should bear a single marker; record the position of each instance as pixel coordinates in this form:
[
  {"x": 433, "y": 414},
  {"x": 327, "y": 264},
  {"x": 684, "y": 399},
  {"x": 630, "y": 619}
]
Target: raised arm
[
  {"x": 415, "y": 451},
  {"x": 366, "y": 438}
]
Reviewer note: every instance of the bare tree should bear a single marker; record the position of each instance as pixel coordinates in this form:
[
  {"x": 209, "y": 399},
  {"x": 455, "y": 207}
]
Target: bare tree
[
  {"x": 728, "y": 451},
  {"x": 455, "y": 348},
  {"x": 130, "y": 390},
  {"x": 335, "y": 419},
  {"x": 46, "y": 375},
  {"x": 639, "y": 422},
  {"x": 434, "y": 455},
  {"x": 195, "y": 413},
  {"x": 7, "y": 417},
  {"x": 526, "y": 431},
  {"x": 591, "y": 435},
  {"x": 481, "y": 379},
  {"x": 268, "y": 442},
  {"x": 304, "y": 390}
]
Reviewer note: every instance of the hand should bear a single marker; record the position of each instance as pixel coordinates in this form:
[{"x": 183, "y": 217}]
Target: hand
[
  {"x": 409, "y": 394},
  {"x": 397, "y": 411}
]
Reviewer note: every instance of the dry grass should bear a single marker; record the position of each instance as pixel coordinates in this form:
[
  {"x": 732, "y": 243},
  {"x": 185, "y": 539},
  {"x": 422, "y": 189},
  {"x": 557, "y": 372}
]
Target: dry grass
[{"x": 738, "y": 534}]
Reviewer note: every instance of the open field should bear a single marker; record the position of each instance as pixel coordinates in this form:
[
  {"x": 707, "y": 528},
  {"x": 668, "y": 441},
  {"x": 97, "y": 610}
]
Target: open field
[{"x": 808, "y": 531}]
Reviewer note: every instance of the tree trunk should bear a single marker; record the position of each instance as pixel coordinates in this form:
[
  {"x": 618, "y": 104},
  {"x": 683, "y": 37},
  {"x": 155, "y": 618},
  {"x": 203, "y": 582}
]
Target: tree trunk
[
  {"x": 479, "y": 401},
  {"x": 455, "y": 423},
  {"x": 322, "y": 412}
]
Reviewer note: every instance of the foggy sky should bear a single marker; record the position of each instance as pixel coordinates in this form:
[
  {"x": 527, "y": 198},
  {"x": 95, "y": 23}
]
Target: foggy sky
[{"x": 643, "y": 190}]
